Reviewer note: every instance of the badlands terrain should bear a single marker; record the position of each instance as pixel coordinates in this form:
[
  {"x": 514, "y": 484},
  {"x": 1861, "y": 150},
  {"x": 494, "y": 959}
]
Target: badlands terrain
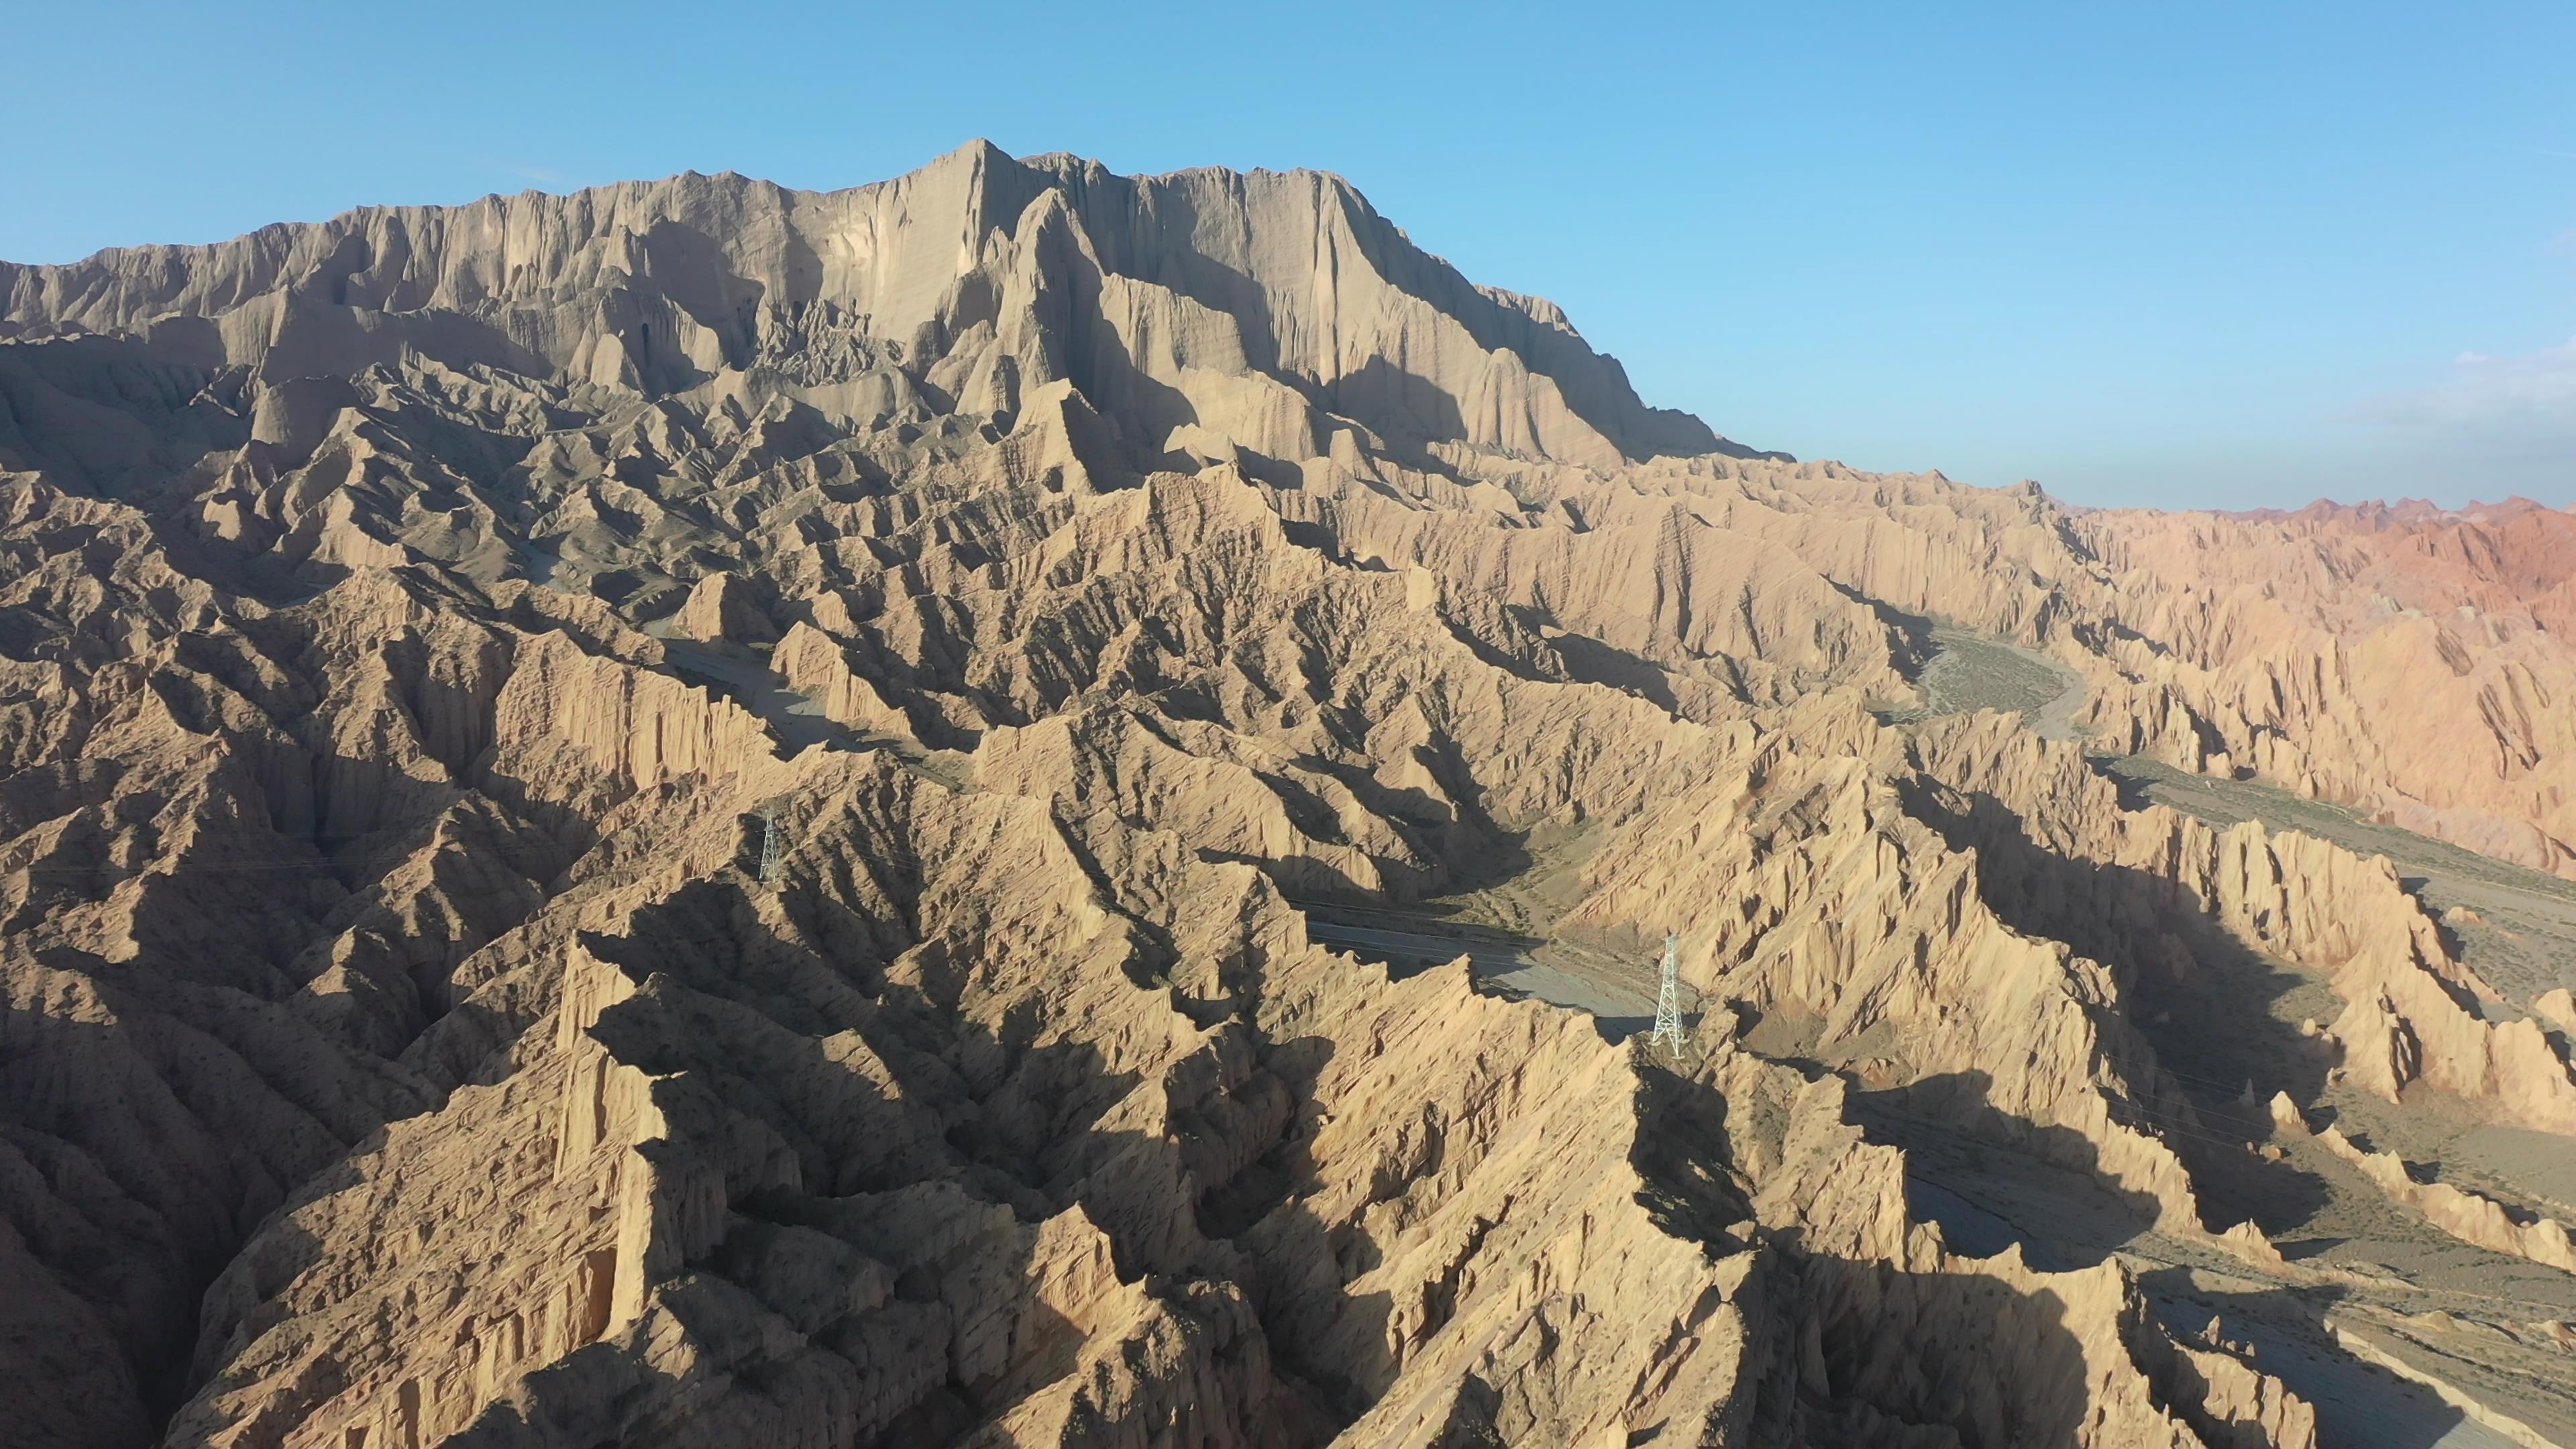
[{"x": 1023, "y": 806}]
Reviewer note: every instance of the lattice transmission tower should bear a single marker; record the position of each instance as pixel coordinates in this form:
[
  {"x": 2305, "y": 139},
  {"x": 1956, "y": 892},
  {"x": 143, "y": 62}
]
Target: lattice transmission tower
[
  {"x": 1668, "y": 1000},
  {"x": 769, "y": 848}
]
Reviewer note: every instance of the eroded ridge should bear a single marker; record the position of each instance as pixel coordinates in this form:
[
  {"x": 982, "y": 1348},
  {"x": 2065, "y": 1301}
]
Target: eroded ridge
[{"x": 690, "y": 814}]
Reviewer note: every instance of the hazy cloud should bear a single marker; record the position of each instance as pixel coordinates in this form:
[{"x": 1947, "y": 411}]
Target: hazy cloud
[
  {"x": 2500, "y": 425},
  {"x": 2503, "y": 397}
]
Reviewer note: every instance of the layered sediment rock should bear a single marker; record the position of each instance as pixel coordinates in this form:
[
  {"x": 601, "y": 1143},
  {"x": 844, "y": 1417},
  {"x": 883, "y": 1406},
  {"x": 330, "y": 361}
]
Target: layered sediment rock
[
  {"x": 416, "y": 626},
  {"x": 2060, "y": 849},
  {"x": 2409, "y": 661}
]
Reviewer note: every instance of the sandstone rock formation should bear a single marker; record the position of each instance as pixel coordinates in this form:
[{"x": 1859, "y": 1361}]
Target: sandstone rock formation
[
  {"x": 2412, "y": 662},
  {"x": 689, "y": 815},
  {"x": 2464, "y": 1215}
]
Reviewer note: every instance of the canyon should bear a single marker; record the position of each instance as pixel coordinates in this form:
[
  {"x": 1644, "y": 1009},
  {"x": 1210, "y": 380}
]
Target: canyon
[{"x": 1024, "y": 806}]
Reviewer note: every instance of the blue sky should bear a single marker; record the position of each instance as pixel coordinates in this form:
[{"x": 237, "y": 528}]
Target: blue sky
[{"x": 2179, "y": 255}]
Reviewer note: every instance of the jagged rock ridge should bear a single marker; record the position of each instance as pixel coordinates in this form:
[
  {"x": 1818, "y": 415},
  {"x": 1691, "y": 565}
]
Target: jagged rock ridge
[{"x": 413, "y": 620}]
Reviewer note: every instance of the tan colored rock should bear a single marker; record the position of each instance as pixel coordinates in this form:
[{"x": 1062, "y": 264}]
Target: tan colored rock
[
  {"x": 2470, "y": 1217},
  {"x": 2557, "y": 1007},
  {"x": 2398, "y": 659},
  {"x": 411, "y": 1039},
  {"x": 2291, "y": 894}
]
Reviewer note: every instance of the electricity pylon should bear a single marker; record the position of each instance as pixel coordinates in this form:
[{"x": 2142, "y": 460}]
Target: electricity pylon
[
  {"x": 1668, "y": 1001},
  {"x": 768, "y": 846}
]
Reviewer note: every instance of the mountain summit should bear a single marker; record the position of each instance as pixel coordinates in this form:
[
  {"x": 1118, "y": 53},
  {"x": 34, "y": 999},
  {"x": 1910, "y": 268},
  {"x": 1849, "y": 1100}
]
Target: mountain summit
[{"x": 1278, "y": 308}]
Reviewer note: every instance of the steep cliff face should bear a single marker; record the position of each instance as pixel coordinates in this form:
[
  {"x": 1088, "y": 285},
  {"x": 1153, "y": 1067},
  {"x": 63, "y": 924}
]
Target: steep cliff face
[
  {"x": 689, "y": 814},
  {"x": 1237, "y": 303}
]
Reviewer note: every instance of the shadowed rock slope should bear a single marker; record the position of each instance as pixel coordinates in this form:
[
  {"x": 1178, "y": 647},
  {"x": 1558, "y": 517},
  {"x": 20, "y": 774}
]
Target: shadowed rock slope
[{"x": 414, "y": 626}]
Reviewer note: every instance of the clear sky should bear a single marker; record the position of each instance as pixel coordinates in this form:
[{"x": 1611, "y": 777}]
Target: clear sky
[{"x": 2176, "y": 254}]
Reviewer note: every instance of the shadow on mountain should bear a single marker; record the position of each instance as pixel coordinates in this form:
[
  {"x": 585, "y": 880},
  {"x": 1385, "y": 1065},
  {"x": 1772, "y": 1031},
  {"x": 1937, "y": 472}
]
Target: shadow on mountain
[
  {"x": 2356, "y": 1402},
  {"x": 2198, "y": 999},
  {"x": 1956, "y": 1140}
]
